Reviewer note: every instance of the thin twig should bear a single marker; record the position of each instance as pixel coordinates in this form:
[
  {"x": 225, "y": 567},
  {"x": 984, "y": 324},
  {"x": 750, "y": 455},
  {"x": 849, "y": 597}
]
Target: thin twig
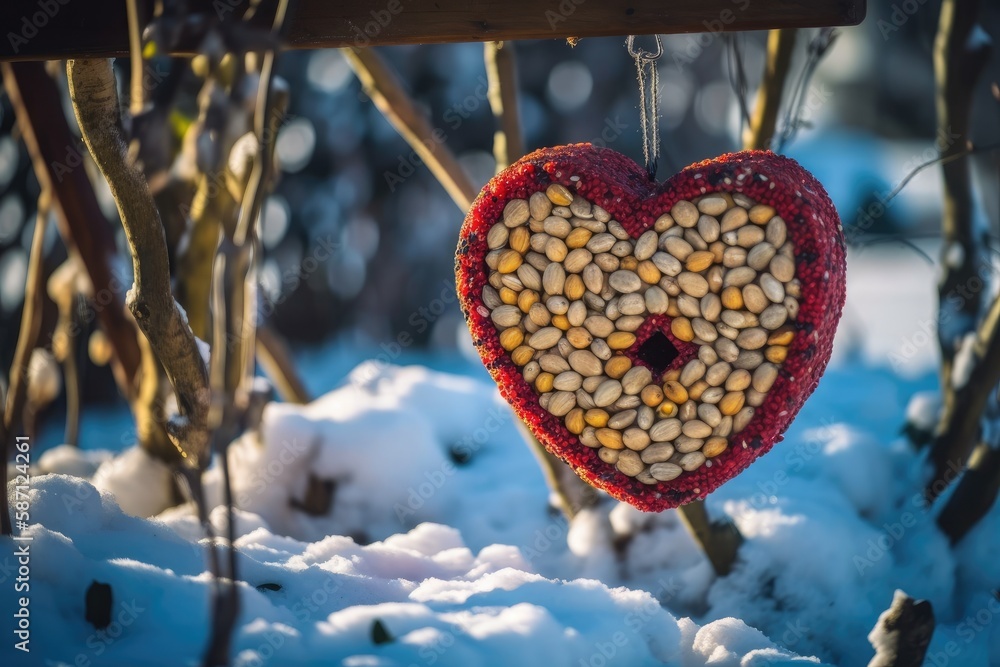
[
  {"x": 958, "y": 62},
  {"x": 957, "y": 66},
  {"x": 737, "y": 76},
  {"x": 151, "y": 302},
  {"x": 572, "y": 494},
  {"x": 793, "y": 121},
  {"x": 383, "y": 86},
  {"x": 501, "y": 74},
  {"x": 38, "y": 105},
  {"x": 958, "y": 430},
  {"x": 974, "y": 495},
  {"x": 27, "y": 340},
  {"x": 137, "y": 94},
  {"x": 72, "y": 376},
  {"x": 720, "y": 540},
  {"x": 276, "y": 362},
  {"x": 760, "y": 134}
]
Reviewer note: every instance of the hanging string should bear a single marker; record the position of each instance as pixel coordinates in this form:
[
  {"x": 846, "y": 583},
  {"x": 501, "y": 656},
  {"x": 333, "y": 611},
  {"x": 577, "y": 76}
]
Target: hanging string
[{"x": 649, "y": 101}]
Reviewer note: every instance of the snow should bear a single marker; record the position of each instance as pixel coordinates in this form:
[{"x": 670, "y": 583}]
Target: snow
[
  {"x": 965, "y": 360},
  {"x": 441, "y": 530},
  {"x": 923, "y": 410}
]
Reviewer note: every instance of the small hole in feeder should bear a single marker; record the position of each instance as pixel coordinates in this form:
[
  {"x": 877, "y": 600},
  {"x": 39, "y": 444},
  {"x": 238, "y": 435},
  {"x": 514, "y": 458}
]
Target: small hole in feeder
[{"x": 657, "y": 352}]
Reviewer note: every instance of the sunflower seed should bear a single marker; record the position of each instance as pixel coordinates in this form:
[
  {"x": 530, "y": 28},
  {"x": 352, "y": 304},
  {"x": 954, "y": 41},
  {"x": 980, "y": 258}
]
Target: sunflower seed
[
  {"x": 773, "y": 288},
  {"x": 553, "y": 363},
  {"x": 601, "y": 349},
  {"x": 748, "y": 236},
  {"x": 557, "y": 305},
  {"x": 656, "y": 301},
  {"x": 516, "y": 213},
  {"x": 610, "y": 438},
  {"x": 645, "y": 417},
  {"x": 692, "y": 461},
  {"x": 774, "y": 316},
  {"x": 742, "y": 418},
  {"x": 684, "y": 213},
  {"x": 629, "y": 463},
  {"x": 677, "y": 247},
  {"x": 665, "y": 471},
  {"x": 782, "y": 268},
  {"x": 607, "y": 393},
  {"x": 704, "y": 330},
  {"x": 733, "y": 219},
  {"x": 561, "y": 403},
  {"x": 776, "y": 232},
  {"x": 711, "y": 307},
  {"x": 657, "y": 452},
  {"x": 646, "y": 245},
  {"x": 608, "y": 455},
  {"x": 709, "y": 228},
  {"x": 724, "y": 428},
  {"x": 559, "y": 195},
  {"x": 760, "y": 256},
  {"x": 506, "y": 316},
  {"x": 710, "y": 414},
  {"x": 760, "y": 214},
  {"x": 630, "y": 323},
  {"x": 625, "y": 281},
  {"x": 581, "y": 208},
  {"x": 764, "y": 377},
  {"x": 636, "y": 439},
  {"x": 739, "y": 276},
  {"x": 576, "y": 260}
]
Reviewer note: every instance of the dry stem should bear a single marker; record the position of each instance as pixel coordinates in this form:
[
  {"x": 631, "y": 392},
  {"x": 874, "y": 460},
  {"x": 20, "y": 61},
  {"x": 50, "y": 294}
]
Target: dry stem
[
  {"x": 501, "y": 73},
  {"x": 720, "y": 540},
  {"x": 383, "y": 86},
  {"x": 27, "y": 340},
  {"x": 37, "y": 103},
  {"x": 780, "y": 44},
  {"x": 151, "y": 302},
  {"x": 957, "y": 65}
]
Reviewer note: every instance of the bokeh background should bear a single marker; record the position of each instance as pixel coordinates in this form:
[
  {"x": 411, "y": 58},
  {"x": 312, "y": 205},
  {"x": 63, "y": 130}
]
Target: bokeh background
[{"x": 348, "y": 180}]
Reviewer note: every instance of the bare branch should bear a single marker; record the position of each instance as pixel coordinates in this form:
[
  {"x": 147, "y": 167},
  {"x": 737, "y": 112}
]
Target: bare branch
[
  {"x": 501, "y": 73},
  {"x": 958, "y": 62},
  {"x": 958, "y": 430},
  {"x": 383, "y": 86},
  {"x": 276, "y": 361},
  {"x": 151, "y": 302},
  {"x": 572, "y": 493},
  {"x": 37, "y": 103},
  {"x": 27, "y": 340},
  {"x": 780, "y": 44},
  {"x": 974, "y": 495},
  {"x": 957, "y": 65},
  {"x": 137, "y": 93},
  {"x": 720, "y": 540}
]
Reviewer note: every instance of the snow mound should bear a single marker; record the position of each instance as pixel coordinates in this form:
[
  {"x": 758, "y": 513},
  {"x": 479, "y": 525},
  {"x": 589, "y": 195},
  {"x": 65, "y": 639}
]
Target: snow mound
[{"x": 421, "y": 597}]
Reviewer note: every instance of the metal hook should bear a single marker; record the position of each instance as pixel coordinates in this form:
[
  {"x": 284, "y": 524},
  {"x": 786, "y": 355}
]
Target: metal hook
[{"x": 643, "y": 53}]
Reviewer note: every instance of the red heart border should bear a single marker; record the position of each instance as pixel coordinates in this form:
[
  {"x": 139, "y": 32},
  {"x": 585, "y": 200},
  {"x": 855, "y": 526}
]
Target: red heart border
[{"x": 620, "y": 186}]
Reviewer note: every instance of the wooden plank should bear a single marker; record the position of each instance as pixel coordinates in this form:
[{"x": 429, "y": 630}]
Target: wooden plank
[{"x": 56, "y": 29}]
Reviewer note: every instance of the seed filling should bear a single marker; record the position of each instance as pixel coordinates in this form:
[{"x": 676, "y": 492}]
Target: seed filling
[{"x": 568, "y": 289}]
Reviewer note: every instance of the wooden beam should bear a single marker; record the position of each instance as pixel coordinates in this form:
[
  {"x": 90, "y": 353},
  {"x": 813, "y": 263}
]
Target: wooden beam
[{"x": 58, "y": 29}]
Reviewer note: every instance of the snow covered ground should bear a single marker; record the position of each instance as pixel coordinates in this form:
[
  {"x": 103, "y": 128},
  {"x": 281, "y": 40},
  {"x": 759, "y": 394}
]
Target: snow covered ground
[{"x": 442, "y": 549}]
